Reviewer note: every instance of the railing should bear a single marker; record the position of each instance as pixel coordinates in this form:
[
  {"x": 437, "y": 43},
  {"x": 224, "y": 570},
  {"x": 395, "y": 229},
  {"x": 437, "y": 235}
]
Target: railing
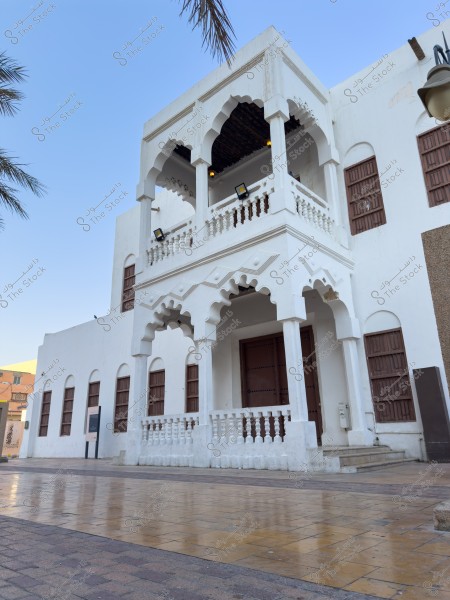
[
  {"x": 177, "y": 240},
  {"x": 169, "y": 430},
  {"x": 312, "y": 208},
  {"x": 223, "y": 216},
  {"x": 250, "y": 425},
  {"x": 232, "y": 212}
]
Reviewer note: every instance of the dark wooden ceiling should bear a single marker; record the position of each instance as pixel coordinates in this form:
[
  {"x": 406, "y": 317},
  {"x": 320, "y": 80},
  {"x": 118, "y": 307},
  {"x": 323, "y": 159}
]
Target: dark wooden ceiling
[{"x": 244, "y": 132}]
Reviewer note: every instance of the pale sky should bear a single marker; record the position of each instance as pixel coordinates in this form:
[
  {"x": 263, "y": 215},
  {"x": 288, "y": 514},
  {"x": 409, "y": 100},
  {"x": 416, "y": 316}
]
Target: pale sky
[{"x": 70, "y": 52}]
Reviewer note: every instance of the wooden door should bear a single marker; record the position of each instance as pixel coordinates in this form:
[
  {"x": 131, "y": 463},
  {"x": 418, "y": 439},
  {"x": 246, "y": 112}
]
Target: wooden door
[
  {"x": 263, "y": 371},
  {"x": 311, "y": 379}
]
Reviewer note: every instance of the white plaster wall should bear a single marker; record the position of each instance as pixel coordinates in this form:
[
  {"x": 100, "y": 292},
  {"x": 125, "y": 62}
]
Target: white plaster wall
[{"x": 388, "y": 118}]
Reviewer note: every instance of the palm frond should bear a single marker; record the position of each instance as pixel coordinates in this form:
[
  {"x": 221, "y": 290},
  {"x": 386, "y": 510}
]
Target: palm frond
[
  {"x": 8, "y": 98},
  {"x": 10, "y": 70},
  {"x": 12, "y": 171},
  {"x": 9, "y": 199},
  {"x": 217, "y": 31}
]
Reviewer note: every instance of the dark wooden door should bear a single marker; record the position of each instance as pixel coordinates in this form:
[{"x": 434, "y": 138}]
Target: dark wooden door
[
  {"x": 264, "y": 374},
  {"x": 311, "y": 379},
  {"x": 263, "y": 371}
]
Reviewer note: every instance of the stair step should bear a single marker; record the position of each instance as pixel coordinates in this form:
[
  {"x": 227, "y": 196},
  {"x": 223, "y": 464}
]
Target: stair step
[
  {"x": 376, "y": 466},
  {"x": 363, "y": 458},
  {"x": 346, "y": 450}
]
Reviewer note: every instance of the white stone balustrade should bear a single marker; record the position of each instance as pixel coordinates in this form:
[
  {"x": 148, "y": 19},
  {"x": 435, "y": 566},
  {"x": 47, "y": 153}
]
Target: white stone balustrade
[
  {"x": 312, "y": 208},
  {"x": 250, "y": 425},
  {"x": 176, "y": 241},
  {"x": 170, "y": 429}
]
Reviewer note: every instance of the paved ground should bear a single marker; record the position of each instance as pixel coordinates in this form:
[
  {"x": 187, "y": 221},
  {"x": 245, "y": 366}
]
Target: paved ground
[{"x": 201, "y": 533}]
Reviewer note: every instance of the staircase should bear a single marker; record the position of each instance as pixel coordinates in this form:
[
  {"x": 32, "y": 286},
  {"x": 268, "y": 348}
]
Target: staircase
[{"x": 354, "y": 459}]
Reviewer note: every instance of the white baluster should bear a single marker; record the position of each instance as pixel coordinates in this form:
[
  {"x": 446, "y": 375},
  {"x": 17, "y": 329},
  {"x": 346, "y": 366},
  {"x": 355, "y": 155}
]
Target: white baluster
[
  {"x": 150, "y": 433},
  {"x": 277, "y": 438},
  {"x": 215, "y": 428},
  {"x": 267, "y": 438},
  {"x": 157, "y": 433},
  {"x": 240, "y": 427},
  {"x": 248, "y": 429},
  {"x": 258, "y": 438},
  {"x": 223, "y": 428},
  {"x": 144, "y": 432},
  {"x": 189, "y": 431},
  {"x": 210, "y": 226}
]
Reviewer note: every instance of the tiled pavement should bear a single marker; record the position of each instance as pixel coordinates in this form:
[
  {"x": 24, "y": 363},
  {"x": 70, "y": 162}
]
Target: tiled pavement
[
  {"x": 358, "y": 534},
  {"x": 44, "y": 561}
]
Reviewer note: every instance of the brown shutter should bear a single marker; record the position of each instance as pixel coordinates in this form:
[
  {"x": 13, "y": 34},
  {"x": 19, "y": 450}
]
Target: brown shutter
[
  {"x": 94, "y": 393},
  {"x": 45, "y": 414},
  {"x": 156, "y": 390},
  {"x": 121, "y": 408},
  {"x": 434, "y": 149},
  {"x": 389, "y": 378},
  {"x": 192, "y": 388},
  {"x": 364, "y": 198},
  {"x": 66, "y": 421},
  {"x": 128, "y": 291}
]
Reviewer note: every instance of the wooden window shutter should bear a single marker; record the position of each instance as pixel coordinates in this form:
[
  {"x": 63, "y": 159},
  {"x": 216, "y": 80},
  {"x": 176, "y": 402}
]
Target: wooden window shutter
[
  {"x": 156, "y": 392},
  {"x": 192, "y": 388},
  {"x": 434, "y": 149},
  {"x": 94, "y": 393},
  {"x": 45, "y": 414},
  {"x": 121, "y": 407},
  {"x": 389, "y": 377},
  {"x": 364, "y": 198},
  {"x": 66, "y": 420},
  {"x": 129, "y": 279}
]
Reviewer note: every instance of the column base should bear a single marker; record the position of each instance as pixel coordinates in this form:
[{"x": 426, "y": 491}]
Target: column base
[
  {"x": 300, "y": 438},
  {"x": 360, "y": 437},
  {"x": 280, "y": 200}
]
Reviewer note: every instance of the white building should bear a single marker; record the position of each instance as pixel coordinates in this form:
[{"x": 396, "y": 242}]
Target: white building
[{"x": 327, "y": 258}]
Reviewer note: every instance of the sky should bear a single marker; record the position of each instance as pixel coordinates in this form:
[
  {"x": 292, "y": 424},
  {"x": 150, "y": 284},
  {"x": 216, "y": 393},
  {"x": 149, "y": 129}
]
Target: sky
[{"x": 72, "y": 53}]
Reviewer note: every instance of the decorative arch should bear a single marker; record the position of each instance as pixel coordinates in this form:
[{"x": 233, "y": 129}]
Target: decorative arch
[
  {"x": 381, "y": 320},
  {"x": 70, "y": 381},
  {"x": 358, "y": 152},
  {"x": 425, "y": 123},
  {"x": 157, "y": 364},
  {"x": 94, "y": 376},
  {"x": 130, "y": 260},
  {"x": 123, "y": 371}
]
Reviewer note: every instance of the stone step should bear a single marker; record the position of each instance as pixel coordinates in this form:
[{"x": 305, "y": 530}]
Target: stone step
[
  {"x": 364, "y": 458},
  {"x": 376, "y": 466},
  {"x": 347, "y": 450}
]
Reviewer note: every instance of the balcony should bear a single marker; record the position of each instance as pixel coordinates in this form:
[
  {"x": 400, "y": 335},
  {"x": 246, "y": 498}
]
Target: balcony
[{"x": 232, "y": 214}]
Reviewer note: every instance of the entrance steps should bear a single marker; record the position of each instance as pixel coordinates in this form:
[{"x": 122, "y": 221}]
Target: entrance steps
[{"x": 354, "y": 459}]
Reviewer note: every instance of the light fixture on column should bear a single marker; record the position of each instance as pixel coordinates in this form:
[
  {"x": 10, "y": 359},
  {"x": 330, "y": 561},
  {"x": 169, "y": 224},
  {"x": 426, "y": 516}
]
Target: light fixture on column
[
  {"x": 212, "y": 173},
  {"x": 435, "y": 94},
  {"x": 242, "y": 191},
  {"x": 269, "y": 143},
  {"x": 159, "y": 235}
]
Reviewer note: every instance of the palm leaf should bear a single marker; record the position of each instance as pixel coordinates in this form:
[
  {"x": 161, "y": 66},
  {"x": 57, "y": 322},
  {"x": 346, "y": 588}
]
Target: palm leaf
[
  {"x": 217, "y": 31},
  {"x": 10, "y": 71},
  {"x": 13, "y": 172},
  {"x": 8, "y": 98}
]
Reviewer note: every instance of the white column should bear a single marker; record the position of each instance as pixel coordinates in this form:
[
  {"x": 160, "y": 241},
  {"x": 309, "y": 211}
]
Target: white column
[
  {"x": 279, "y": 154},
  {"x": 332, "y": 190},
  {"x": 137, "y": 409},
  {"x": 359, "y": 435},
  {"x": 294, "y": 367},
  {"x": 201, "y": 192},
  {"x": 145, "y": 232},
  {"x": 205, "y": 385}
]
